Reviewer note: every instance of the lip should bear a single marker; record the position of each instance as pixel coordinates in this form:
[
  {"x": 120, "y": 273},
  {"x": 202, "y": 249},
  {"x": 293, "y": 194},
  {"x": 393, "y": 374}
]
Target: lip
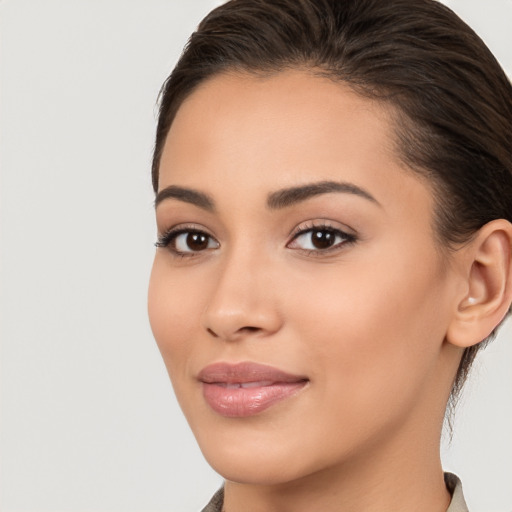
[{"x": 246, "y": 389}]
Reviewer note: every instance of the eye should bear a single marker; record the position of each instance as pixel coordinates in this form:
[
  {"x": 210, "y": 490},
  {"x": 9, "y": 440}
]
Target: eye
[
  {"x": 187, "y": 241},
  {"x": 320, "y": 239}
]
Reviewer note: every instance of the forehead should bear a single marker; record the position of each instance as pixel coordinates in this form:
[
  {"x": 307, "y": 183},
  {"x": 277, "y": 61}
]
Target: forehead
[{"x": 263, "y": 133}]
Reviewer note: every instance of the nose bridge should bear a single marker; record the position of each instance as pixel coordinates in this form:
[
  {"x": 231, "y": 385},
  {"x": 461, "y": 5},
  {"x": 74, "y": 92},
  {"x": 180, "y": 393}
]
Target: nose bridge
[{"x": 242, "y": 300}]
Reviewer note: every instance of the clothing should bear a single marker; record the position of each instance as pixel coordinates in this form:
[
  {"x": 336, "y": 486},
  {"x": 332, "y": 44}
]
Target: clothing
[
  {"x": 215, "y": 504},
  {"x": 453, "y": 484}
]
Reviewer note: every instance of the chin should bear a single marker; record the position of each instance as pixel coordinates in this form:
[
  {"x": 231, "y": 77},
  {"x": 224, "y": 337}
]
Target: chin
[
  {"x": 257, "y": 456},
  {"x": 249, "y": 454},
  {"x": 261, "y": 469}
]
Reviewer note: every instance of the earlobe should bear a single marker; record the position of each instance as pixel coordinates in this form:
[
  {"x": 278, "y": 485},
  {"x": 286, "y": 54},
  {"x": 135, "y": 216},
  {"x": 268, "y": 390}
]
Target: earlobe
[{"x": 488, "y": 271}]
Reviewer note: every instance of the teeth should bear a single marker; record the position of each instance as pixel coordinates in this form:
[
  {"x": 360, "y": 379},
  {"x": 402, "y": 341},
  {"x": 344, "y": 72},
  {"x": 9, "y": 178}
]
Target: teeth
[
  {"x": 256, "y": 384},
  {"x": 246, "y": 385}
]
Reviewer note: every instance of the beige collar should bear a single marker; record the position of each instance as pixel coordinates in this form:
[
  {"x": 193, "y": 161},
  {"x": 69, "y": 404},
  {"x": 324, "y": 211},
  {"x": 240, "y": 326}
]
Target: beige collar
[{"x": 454, "y": 485}]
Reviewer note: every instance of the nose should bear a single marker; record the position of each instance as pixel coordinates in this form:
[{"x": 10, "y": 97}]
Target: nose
[{"x": 243, "y": 301}]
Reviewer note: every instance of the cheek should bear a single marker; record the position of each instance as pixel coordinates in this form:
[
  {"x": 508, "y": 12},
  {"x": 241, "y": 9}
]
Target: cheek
[
  {"x": 373, "y": 329},
  {"x": 173, "y": 313}
]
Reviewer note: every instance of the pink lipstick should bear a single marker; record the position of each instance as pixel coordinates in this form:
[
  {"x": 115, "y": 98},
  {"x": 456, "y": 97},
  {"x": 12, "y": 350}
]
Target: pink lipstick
[{"x": 245, "y": 389}]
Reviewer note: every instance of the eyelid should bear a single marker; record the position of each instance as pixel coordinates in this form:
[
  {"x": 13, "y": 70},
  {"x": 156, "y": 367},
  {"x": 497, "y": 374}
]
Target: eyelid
[
  {"x": 348, "y": 235},
  {"x": 165, "y": 238},
  {"x": 322, "y": 224}
]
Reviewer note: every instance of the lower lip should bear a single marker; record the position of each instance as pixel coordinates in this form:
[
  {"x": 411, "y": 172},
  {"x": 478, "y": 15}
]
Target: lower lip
[{"x": 242, "y": 402}]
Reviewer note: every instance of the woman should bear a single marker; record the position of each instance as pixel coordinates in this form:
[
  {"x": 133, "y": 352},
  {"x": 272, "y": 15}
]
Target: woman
[{"x": 333, "y": 187}]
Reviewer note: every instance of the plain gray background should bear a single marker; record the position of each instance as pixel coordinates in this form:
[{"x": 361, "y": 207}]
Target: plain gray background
[{"x": 88, "y": 418}]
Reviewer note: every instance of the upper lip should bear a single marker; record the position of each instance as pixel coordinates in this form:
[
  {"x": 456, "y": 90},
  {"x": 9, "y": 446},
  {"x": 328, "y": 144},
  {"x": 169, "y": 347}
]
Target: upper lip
[{"x": 245, "y": 372}]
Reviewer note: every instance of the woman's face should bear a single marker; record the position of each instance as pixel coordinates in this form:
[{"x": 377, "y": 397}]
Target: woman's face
[{"x": 297, "y": 296}]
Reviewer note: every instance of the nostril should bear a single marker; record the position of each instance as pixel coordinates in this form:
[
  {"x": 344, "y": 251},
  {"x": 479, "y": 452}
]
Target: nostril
[{"x": 250, "y": 329}]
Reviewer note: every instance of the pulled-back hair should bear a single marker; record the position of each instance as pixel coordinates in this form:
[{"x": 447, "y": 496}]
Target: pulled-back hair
[{"x": 451, "y": 99}]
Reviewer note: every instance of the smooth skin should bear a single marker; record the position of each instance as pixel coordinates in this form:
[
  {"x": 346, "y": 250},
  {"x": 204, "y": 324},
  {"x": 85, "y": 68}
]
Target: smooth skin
[{"x": 376, "y": 315}]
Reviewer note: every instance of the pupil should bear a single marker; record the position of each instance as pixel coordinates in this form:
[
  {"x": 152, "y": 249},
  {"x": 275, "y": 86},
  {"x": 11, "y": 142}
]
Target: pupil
[
  {"x": 197, "y": 241},
  {"x": 323, "y": 239}
]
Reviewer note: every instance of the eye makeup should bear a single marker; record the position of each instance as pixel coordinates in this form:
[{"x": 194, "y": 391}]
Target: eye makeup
[
  {"x": 186, "y": 240},
  {"x": 315, "y": 238},
  {"x": 319, "y": 238}
]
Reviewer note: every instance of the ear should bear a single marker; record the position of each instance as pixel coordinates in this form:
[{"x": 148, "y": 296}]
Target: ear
[{"x": 487, "y": 271}]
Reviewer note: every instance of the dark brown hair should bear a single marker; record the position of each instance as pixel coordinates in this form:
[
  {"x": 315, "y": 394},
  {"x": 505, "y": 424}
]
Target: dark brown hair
[{"x": 453, "y": 102}]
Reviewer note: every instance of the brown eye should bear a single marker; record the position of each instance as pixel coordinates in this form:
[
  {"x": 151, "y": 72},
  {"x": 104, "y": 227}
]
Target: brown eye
[
  {"x": 196, "y": 241},
  {"x": 193, "y": 241},
  {"x": 322, "y": 239},
  {"x": 187, "y": 242}
]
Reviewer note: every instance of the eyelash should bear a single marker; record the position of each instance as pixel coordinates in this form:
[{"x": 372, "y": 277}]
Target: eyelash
[
  {"x": 168, "y": 238},
  {"x": 347, "y": 238}
]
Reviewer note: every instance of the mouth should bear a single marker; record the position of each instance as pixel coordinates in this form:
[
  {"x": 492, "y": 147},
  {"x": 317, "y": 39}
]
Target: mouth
[{"x": 246, "y": 389}]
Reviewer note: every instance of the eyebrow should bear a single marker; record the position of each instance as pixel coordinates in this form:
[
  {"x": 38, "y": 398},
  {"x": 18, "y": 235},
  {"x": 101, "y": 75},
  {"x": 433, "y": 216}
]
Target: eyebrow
[
  {"x": 276, "y": 200},
  {"x": 187, "y": 195},
  {"x": 293, "y": 195}
]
